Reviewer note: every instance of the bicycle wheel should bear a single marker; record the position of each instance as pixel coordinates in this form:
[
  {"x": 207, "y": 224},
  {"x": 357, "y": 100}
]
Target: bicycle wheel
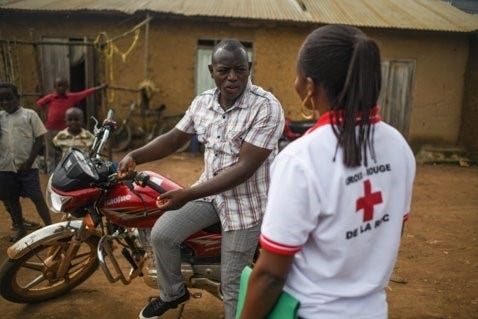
[
  {"x": 121, "y": 138},
  {"x": 166, "y": 127}
]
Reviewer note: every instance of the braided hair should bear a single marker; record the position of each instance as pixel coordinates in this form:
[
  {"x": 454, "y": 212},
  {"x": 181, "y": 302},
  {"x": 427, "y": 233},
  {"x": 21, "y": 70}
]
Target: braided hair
[{"x": 347, "y": 63}]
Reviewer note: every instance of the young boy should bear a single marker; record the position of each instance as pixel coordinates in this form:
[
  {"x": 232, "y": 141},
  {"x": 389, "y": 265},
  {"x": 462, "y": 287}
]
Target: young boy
[
  {"x": 56, "y": 104},
  {"x": 74, "y": 135},
  {"x": 21, "y": 134}
]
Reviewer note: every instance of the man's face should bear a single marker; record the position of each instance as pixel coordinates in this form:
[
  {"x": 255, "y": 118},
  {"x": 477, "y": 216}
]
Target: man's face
[
  {"x": 8, "y": 100},
  {"x": 230, "y": 71}
]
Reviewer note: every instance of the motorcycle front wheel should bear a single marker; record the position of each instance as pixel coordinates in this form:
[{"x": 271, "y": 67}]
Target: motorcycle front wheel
[{"x": 37, "y": 276}]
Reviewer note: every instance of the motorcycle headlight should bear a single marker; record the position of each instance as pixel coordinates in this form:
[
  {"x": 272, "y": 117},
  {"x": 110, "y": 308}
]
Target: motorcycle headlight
[{"x": 55, "y": 201}]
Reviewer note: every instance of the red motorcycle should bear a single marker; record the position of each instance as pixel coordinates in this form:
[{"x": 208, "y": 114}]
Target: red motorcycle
[
  {"x": 293, "y": 130},
  {"x": 106, "y": 221}
]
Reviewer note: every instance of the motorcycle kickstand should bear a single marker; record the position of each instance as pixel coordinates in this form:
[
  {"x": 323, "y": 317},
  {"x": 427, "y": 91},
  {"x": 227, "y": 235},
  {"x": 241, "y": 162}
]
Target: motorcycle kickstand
[{"x": 180, "y": 312}]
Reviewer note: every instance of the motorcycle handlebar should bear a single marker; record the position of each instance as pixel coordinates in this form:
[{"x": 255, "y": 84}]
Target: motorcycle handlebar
[{"x": 143, "y": 179}]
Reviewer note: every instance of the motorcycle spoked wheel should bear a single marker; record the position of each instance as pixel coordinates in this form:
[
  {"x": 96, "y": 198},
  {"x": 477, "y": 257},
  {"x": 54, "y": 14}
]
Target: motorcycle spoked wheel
[{"x": 33, "y": 277}]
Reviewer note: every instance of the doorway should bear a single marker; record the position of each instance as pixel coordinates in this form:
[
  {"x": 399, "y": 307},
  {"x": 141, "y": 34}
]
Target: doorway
[{"x": 73, "y": 60}]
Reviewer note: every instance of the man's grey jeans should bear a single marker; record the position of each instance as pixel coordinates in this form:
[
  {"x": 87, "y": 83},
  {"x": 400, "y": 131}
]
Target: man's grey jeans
[{"x": 172, "y": 228}]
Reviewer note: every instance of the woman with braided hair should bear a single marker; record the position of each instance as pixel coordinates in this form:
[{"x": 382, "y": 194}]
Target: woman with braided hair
[{"x": 340, "y": 194}]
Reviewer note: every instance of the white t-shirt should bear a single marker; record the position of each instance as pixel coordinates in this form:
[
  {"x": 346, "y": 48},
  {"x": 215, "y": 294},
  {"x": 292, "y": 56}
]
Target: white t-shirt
[
  {"x": 343, "y": 224},
  {"x": 18, "y": 132}
]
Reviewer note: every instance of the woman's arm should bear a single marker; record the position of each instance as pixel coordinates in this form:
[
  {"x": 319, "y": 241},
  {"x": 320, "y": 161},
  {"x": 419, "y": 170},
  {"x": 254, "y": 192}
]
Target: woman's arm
[{"x": 265, "y": 284}]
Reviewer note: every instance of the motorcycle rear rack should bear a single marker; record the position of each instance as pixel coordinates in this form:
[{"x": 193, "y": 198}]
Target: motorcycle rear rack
[{"x": 105, "y": 252}]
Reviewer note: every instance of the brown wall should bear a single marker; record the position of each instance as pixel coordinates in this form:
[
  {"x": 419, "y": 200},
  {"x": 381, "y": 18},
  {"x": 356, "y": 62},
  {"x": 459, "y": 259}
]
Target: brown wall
[
  {"x": 439, "y": 76},
  {"x": 469, "y": 127},
  {"x": 438, "y": 83}
]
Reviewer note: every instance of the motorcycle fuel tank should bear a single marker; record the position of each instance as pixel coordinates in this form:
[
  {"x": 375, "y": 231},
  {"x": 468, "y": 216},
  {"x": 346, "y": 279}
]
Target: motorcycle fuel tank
[{"x": 136, "y": 206}]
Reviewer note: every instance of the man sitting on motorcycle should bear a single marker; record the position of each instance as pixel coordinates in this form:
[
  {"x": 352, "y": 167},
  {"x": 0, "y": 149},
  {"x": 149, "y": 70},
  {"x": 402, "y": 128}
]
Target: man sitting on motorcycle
[{"x": 239, "y": 125}]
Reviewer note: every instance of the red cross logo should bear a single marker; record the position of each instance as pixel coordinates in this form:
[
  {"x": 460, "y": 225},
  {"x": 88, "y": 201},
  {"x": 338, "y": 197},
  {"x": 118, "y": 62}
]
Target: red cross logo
[{"x": 368, "y": 201}]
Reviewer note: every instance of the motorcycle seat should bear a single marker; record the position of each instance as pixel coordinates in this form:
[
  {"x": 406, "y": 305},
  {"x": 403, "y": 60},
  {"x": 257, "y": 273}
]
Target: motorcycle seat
[
  {"x": 300, "y": 126},
  {"x": 215, "y": 229}
]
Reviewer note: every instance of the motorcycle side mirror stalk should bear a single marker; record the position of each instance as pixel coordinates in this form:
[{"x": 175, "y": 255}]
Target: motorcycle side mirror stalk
[
  {"x": 96, "y": 128},
  {"x": 102, "y": 133}
]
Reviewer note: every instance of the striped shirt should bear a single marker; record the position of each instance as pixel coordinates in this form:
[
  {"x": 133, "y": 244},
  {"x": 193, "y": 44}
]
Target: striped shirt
[{"x": 256, "y": 118}]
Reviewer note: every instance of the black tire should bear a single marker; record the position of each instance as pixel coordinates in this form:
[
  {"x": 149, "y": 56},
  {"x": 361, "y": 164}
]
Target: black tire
[
  {"x": 121, "y": 138},
  {"x": 29, "y": 280}
]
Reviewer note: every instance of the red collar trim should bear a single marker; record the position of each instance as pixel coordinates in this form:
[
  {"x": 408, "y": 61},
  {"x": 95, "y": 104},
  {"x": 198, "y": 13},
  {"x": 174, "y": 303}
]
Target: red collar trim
[{"x": 336, "y": 117}]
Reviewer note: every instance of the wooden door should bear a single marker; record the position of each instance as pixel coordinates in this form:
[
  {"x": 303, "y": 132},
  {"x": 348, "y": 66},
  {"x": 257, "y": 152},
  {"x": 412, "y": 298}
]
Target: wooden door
[
  {"x": 396, "y": 95},
  {"x": 55, "y": 62}
]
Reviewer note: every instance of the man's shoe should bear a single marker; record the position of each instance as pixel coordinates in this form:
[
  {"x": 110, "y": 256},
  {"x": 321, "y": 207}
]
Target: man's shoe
[
  {"x": 29, "y": 225},
  {"x": 17, "y": 235},
  {"x": 157, "y": 307}
]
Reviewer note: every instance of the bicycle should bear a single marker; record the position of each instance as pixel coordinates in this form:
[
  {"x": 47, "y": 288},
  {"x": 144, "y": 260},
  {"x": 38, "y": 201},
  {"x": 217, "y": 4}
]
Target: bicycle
[
  {"x": 164, "y": 124},
  {"x": 122, "y": 136}
]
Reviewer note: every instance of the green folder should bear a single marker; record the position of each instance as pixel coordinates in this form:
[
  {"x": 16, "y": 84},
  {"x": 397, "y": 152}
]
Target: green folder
[{"x": 285, "y": 308}]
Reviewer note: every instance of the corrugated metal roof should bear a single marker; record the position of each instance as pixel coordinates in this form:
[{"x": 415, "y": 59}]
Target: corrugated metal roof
[
  {"x": 469, "y": 6},
  {"x": 432, "y": 15}
]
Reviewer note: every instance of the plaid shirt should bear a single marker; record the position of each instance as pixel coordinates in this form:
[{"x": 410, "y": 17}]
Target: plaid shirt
[{"x": 256, "y": 118}]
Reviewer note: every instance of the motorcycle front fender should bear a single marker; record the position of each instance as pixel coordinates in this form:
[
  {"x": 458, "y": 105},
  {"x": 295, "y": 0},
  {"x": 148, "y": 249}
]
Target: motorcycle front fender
[{"x": 43, "y": 236}]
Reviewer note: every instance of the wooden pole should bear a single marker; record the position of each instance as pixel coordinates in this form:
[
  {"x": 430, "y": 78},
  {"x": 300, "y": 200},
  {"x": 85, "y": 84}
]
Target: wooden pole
[
  {"x": 47, "y": 42},
  {"x": 37, "y": 53},
  {"x": 146, "y": 47}
]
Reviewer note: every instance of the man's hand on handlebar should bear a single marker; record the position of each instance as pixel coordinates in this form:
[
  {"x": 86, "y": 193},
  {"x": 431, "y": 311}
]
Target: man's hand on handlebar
[{"x": 126, "y": 166}]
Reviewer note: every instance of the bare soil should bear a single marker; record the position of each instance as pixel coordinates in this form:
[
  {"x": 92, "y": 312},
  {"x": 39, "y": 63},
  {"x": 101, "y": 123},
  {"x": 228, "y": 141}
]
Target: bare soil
[{"x": 436, "y": 273}]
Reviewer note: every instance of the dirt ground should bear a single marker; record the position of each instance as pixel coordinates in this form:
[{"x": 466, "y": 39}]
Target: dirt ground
[{"x": 437, "y": 265}]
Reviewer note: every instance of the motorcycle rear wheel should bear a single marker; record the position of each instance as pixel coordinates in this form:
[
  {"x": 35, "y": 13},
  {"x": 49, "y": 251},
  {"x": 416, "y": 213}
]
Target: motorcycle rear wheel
[{"x": 34, "y": 277}]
